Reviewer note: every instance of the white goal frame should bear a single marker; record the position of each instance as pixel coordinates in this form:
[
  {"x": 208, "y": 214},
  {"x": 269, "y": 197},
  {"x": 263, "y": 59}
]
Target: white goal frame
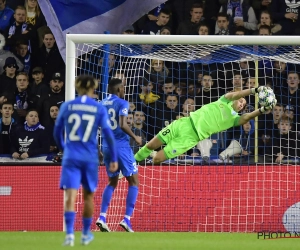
[{"x": 72, "y": 39}]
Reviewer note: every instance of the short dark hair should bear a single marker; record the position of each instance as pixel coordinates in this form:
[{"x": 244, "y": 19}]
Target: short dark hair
[
  {"x": 197, "y": 6},
  {"x": 113, "y": 83},
  {"x": 293, "y": 72},
  {"x": 202, "y": 24},
  {"x": 47, "y": 32},
  {"x": 30, "y": 110},
  {"x": 265, "y": 27},
  {"x": 223, "y": 14},
  {"x": 7, "y": 103},
  {"x": 240, "y": 29},
  {"x": 143, "y": 81},
  {"x": 165, "y": 11},
  {"x": 285, "y": 118}
]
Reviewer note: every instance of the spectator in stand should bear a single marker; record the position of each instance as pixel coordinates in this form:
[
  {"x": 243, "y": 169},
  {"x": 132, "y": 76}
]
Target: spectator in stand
[
  {"x": 153, "y": 27},
  {"x": 165, "y": 30},
  {"x": 130, "y": 119},
  {"x": 285, "y": 13},
  {"x": 38, "y": 86},
  {"x": 279, "y": 77},
  {"x": 264, "y": 30},
  {"x": 35, "y": 17},
  {"x": 132, "y": 106},
  {"x": 48, "y": 57},
  {"x": 237, "y": 81},
  {"x": 158, "y": 71},
  {"x": 8, "y": 78},
  {"x": 289, "y": 112},
  {"x": 181, "y": 90},
  {"x": 23, "y": 99},
  {"x": 290, "y": 96},
  {"x": 203, "y": 29},
  {"x": 241, "y": 14},
  {"x": 265, "y": 19},
  {"x": 20, "y": 29},
  {"x": 286, "y": 146},
  {"x": 6, "y": 16},
  {"x": 168, "y": 86},
  {"x": 29, "y": 139},
  {"x": 190, "y": 27},
  {"x": 250, "y": 83},
  {"x": 14, "y": 3},
  {"x": 54, "y": 110},
  {"x": 260, "y": 6},
  {"x": 193, "y": 90},
  {"x": 137, "y": 129},
  {"x": 56, "y": 96},
  {"x": 211, "y": 10},
  {"x": 169, "y": 111},
  {"x": 187, "y": 107},
  {"x": 24, "y": 55},
  {"x": 4, "y": 54},
  {"x": 240, "y": 31},
  {"x": 222, "y": 24},
  {"x": 146, "y": 95},
  {"x": 268, "y": 130},
  {"x": 7, "y": 123},
  {"x": 207, "y": 93}
]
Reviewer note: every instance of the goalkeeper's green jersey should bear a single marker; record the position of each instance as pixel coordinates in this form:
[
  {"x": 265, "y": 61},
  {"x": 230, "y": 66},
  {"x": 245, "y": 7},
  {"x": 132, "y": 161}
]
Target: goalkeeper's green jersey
[{"x": 214, "y": 117}]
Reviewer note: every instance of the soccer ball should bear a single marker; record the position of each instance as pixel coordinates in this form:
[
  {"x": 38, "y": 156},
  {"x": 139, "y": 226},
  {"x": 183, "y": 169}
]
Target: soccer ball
[{"x": 266, "y": 97}]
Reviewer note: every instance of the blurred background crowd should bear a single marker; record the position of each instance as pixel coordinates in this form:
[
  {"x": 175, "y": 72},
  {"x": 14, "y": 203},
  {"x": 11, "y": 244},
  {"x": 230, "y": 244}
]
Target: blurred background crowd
[{"x": 32, "y": 76}]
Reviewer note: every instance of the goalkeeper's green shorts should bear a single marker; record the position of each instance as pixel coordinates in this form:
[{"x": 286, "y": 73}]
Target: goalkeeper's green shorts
[{"x": 179, "y": 137}]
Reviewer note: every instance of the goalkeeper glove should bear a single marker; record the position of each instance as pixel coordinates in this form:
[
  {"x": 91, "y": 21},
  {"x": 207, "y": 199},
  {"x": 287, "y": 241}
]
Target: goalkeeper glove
[
  {"x": 265, "y": 109},
  {"x": 259, "y": 89}
]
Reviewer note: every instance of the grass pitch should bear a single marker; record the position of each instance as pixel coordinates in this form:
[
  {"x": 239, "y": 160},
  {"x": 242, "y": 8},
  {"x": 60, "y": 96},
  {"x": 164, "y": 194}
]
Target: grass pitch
[{"x": 145, "y": 241}]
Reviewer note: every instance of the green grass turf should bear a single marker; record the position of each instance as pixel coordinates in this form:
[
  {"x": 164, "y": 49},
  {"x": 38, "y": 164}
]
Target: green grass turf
[{"x": 145, "y": 241}]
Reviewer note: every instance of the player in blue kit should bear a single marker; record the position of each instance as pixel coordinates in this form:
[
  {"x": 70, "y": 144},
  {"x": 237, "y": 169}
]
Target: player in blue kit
[
  {"x": 117, "y": 109},
  {"x": 80, "y": 119}
]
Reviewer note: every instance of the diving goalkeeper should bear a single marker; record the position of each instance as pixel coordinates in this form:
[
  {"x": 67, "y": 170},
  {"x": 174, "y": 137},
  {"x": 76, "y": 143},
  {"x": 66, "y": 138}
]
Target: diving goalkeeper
[{"x": 185, "y": 133}]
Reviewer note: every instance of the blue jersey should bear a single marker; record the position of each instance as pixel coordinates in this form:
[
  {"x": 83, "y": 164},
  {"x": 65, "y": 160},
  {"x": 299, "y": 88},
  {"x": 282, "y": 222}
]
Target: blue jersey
[
  {"x": 116, "y": 107},
  {"x": 80, "y": 118}
]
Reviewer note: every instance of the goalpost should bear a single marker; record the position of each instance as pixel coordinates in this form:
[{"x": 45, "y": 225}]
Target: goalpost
[{"x": 188, "y": 194}]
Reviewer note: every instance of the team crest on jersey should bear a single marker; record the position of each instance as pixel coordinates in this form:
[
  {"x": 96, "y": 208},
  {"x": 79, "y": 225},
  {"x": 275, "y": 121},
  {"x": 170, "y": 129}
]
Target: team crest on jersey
[
  {"x": 174, "y": 151},
  {"x": 124, "y": 111},
  {"x": 233, "y": 112},
  {"x": 221, "y": 106}
]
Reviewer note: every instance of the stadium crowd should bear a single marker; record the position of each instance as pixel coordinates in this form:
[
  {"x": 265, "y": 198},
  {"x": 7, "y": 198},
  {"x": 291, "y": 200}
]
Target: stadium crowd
[{"x": 33, "y": 76}]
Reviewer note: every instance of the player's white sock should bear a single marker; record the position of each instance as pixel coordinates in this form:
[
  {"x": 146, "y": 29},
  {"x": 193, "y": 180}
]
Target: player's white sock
[
  {"x": 127, "y": 217},
  {"x": 103, "y": 214}
]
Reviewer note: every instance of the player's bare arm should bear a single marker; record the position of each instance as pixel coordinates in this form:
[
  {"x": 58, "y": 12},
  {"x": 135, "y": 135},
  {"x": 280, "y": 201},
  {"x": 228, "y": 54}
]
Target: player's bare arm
[
  {"x": 249, "y": 116},
  {"x": 240, "y": 94},
  {"x": 124, "y": 126}
]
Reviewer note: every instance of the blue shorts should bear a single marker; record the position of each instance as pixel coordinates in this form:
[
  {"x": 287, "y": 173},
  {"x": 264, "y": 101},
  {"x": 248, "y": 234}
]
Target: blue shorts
[
  {"x": 74, "y": 173},
  {"x": 126, "y": 162}
]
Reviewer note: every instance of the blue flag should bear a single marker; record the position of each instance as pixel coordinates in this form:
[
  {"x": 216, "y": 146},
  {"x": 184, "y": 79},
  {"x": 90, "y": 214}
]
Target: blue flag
[{"x": 92, "y": 16}]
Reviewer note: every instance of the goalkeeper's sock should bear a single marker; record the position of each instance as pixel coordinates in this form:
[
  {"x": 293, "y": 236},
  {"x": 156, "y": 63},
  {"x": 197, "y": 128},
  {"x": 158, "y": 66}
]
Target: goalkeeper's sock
[
  {"x": 106, "y": 198},
  {"x": 131, "y": 199},
  {"x": 142, "y": 154},
  {"x": 69, "y": 221},
  {"x": 86, "y": 222}
]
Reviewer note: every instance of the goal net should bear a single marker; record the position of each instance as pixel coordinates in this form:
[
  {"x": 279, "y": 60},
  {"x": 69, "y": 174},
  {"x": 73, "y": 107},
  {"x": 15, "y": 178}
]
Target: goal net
[{"x": 245, "y": 179}]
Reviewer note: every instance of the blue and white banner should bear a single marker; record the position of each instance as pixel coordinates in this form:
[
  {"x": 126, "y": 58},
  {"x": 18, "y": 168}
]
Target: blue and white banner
[{"x": 92, "y": 16}]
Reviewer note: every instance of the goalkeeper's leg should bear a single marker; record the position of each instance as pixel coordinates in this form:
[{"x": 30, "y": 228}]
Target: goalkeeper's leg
[{"x": 146, "y": 150}]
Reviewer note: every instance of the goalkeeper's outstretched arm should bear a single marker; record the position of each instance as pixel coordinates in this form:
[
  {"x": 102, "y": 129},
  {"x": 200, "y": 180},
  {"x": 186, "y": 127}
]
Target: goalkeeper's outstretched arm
[
  {"x": 239, "y": 94},
  {"x": 249, "y": 116}
]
